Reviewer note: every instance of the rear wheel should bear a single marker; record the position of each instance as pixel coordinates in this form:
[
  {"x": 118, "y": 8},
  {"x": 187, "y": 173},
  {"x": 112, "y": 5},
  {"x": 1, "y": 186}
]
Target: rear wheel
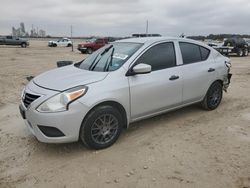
[
  {"x": 101, "y": 127},
  {"x": 23, "y": 45},
  {"x": 69, "y": 45},
  {"x": 89, "y": 50},
  {"x": 246, "y": 52},
  {"x": 240, "y": 52},
  {"x": 213, "y": 97}
]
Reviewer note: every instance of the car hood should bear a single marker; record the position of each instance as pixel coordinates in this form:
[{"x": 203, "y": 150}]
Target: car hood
[{"x": 67, "y": 77}]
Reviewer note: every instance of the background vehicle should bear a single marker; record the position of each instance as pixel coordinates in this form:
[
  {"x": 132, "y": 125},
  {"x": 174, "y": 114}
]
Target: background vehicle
[
  {"x": 14, "y": 41},
  {"x": 92, "y": 45},
  {"x": 121, "y": 83},
  {"x": 234, "y": 45},
  {"x": 64, "y": 42},
  {"x": 145, "y": 35}
]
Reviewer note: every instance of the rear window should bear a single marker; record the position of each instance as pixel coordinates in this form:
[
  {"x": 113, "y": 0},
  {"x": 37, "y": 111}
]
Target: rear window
[{"x": 192, "y": 53}]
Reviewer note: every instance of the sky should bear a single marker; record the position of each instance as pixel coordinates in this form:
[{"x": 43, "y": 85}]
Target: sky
[{"x": 123, "y": 18}]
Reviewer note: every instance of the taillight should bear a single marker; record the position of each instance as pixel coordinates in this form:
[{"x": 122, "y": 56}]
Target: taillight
[{"x": 228, "y": 64}]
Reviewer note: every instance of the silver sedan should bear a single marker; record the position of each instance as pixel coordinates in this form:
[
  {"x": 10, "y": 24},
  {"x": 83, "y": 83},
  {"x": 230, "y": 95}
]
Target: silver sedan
[{"x": 123, "y": 82}]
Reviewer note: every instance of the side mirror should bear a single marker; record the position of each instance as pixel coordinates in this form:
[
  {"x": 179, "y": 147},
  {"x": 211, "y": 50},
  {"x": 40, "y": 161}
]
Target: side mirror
[
  {"x": 63, "y": 63},
  {"x": 139, "y": 69}
]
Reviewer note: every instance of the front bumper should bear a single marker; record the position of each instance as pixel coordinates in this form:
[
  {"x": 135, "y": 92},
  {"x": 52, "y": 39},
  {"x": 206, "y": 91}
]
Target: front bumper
[
  {"x": 43, "y": 125},
  {"x": 81, "y": 49}
]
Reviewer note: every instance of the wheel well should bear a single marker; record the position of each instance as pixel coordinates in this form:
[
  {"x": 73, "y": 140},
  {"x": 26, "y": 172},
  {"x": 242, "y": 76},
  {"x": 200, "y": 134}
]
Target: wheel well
[
  {"x": 220, "y": 81},
  {"x": 116, "y": 105}
]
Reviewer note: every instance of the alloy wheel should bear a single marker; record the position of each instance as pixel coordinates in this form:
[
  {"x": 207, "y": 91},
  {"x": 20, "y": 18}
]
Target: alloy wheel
[{"x": 104, "y": 128}]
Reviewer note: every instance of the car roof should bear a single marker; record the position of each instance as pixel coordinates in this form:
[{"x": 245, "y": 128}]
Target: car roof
[
  {"x": 151, "y": 40},
  {"x": 146, "y": 39}
]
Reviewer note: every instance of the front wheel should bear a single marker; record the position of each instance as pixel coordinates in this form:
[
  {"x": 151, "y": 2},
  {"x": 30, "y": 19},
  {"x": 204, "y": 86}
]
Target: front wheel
[
  {"x": 101, "y": 127},
  {"x": 89, "y": 50},
  {"x": 213, "y": 97}
]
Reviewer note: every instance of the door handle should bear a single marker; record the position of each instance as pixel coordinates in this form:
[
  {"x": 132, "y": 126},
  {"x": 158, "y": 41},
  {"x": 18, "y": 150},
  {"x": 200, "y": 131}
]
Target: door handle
[
  {"x": 211, "y": 70},
  {"x": 174, "y": 77}
]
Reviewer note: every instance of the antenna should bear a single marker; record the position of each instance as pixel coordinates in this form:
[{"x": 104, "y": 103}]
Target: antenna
[
  {"x": 147, "y": 27},
  {"x": 71, "y": 32}
]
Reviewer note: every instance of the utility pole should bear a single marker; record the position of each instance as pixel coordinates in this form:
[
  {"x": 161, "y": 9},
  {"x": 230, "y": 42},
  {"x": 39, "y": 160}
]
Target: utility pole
[
  {"x": 147, "y": 27},
  {"x": 71, "y": 32}
]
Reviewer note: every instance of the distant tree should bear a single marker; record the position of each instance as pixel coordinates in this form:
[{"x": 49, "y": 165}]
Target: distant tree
[{"x": 218, "y": 36}]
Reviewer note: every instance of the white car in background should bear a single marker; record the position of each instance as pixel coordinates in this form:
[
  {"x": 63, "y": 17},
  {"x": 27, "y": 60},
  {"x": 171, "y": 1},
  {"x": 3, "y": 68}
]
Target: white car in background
[{"x": 64, "y": 42}]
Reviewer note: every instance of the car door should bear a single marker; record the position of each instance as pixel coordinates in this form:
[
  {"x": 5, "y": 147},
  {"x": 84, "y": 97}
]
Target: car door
[
  {"x": 60, "y": 42},
  {"x": 65, "y": 42},
  {"x": 161, "y": 88},
  {"x": 9, "y": 40},
  {"x": 198, "y": 71},
  {"x": 99, "y": 43}
]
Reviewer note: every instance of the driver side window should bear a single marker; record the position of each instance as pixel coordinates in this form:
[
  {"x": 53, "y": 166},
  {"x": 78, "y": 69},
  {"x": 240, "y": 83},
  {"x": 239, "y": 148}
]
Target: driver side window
[
  {"x": 160, "y": 56},
  {"x": 98, "y": 41}
]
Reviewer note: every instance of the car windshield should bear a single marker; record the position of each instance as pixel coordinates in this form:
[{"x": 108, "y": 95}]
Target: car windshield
[
  {"x": 91, "y": 40},
  {"x": 110, "y": 57}
]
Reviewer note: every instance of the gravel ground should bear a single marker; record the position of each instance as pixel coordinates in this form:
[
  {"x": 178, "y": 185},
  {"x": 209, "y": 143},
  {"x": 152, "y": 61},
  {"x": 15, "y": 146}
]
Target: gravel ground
[{"x": 186, "y": 148}]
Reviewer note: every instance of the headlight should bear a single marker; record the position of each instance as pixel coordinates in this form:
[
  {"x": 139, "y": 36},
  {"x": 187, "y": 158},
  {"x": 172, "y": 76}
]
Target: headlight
[{"x": 61, "y": 101}]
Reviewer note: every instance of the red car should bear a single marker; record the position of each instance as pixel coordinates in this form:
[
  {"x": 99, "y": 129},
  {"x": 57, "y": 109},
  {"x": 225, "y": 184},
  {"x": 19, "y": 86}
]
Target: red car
[{"x": 92, "y": 45}]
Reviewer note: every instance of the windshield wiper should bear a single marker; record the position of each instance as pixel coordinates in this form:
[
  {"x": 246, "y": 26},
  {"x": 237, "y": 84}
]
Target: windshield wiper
[
  {"x": 93, "y": 65},
  {"x": 109, "y": 63},
  {"x": 106, "y": 50}
]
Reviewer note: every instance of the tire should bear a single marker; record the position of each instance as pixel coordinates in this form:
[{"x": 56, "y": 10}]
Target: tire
[
  {"x": 54, "y": 45},
  {"x": 228, "y": 43},
  {"x": 213, "y": 97},
  {"x": 23, "y": 45},
  {"x": 69, "y": 45},
  {"x": 98, "y": 133},
  {"x": 246, "y": 52},
  {"x": 240, "y": 52},
  {"x": 89, "y": 50}
]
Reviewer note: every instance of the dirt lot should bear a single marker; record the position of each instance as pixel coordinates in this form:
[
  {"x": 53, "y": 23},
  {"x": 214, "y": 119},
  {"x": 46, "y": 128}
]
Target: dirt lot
[{"x": 186, "y": 148}]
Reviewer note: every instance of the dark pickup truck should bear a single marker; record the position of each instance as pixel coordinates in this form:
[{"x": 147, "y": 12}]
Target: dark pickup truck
[
  {"x": 234, "y": 45},
  {"x": 14, "y": 41}
]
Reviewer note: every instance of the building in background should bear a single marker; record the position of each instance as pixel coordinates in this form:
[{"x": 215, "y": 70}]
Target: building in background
[
  {"x": 42, "y": 33},
  {"x": 21, "y": 32}
]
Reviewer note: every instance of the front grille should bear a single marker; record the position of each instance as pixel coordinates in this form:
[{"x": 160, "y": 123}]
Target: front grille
[{"x": 29, "y": 98}]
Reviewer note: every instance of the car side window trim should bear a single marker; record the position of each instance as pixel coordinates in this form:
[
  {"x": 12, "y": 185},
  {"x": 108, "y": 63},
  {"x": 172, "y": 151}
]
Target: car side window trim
[{"x": 199, "y": 50}]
